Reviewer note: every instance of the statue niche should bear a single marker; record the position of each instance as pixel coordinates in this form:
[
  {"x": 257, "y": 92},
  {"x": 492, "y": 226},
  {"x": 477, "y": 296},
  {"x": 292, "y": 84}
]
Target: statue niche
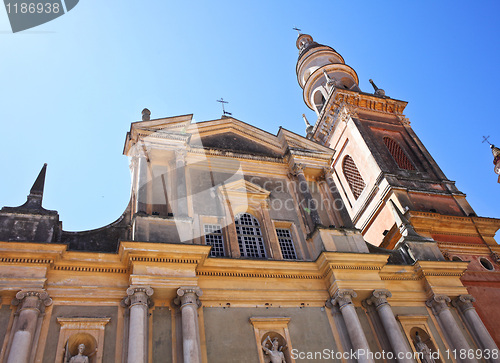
[
  {"x": 275, "y": 348},
  {"x": 80, "y": 348},
  {"x": 424, "y": 345}
]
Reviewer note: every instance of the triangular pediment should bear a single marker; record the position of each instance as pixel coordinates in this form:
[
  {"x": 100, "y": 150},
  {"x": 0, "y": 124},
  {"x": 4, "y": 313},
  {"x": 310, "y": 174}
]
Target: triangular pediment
[
  {"x": 242, "y": 186},
  {"x": 293, "y": 141},
  {"x": 166, "y": 123},
  {"x": 234, "y": 135},
  {"x": 159, "y": 128}
]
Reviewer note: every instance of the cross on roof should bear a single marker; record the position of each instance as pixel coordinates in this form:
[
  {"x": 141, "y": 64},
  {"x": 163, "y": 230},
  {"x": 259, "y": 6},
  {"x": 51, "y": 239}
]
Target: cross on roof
[
  {"x": 222, "y": 102},
  {"x": 486, "y": 139}
]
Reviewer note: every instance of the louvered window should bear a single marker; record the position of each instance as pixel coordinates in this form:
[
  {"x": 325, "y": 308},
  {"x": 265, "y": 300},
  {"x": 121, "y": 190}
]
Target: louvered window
[
  {"x": 398, "y": 154},
  {"x": 249, "y": 234},
  {"x": 353, "y": 176}
]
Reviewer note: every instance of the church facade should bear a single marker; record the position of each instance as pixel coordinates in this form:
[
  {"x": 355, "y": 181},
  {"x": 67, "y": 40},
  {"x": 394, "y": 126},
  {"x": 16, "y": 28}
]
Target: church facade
[{"x": 347, "y": 244}]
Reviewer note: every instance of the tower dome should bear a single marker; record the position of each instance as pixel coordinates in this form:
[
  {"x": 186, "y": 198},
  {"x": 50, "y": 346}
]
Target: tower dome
[
  {"x": 496, "y": 159},
  {"x": 319, "y": 68}
]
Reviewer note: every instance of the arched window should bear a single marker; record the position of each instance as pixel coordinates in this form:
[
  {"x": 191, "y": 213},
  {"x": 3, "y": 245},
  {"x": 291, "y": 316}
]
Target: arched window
[
  {"x": 398, "y": 154},
  {"x": 249, "y": 234},
  {"x": 319, "y": 100},
  {"x": 353, "y": 176}
]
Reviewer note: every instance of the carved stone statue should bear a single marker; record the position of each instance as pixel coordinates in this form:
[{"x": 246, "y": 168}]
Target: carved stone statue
[
  {"x": 426, "y": 353},
  {"x": 275, "y": 354},
  {"x": 80, "y": 358}
]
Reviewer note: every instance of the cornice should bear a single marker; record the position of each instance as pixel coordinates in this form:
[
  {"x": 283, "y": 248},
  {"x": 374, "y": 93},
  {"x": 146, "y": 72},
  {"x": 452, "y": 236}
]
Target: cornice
[
  {"x": 330, "y": 261},
  {"x": 397, "y": 272},
  {"x": 258, "y": 275},
  {"x": 76, "y": 268},
  {"x": 479, "y": 227},
  {"x": 460, "y": 246},
  {"x": 233, "y": 155},
  {"x": 31, "y": 261},
  {"x": 440, "y": 268},
  {"x": 369, "y": 102}
]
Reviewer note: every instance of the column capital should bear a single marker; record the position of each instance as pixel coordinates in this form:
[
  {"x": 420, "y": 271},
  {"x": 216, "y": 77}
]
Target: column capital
[
  {"x": 298, "y": 168},
  {"x": 327, "y": 172},
  {"x": 180, "y": 155},
  {"x": 32, "y": 299},
  {"x": 329, "y": 303},
  {"x": 464, "y": 302},
  {"x": 379, "y": 297},
  {"x": 343, "y": 297},
  {"x": 188, "y": 295},
  {"x": 438, "y": 302},
  {"x": 134, "y": 161},
  {"x": 138, "y": 295}
]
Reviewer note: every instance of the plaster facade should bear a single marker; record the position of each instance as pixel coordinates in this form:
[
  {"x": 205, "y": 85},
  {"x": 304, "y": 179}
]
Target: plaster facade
[{"x": 349, "y": 244}]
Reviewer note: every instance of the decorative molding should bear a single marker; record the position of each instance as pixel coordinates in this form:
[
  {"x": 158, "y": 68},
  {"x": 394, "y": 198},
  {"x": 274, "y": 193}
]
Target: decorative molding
[
  {"x": 38, "y": 261},
  {"x": 163, "y": 259},
  {"x": 402, "y": 278},
  {"x": 232, "y": 154},
  {"x": 116, "y": 270},
  {"x": 259, "y": 275}
]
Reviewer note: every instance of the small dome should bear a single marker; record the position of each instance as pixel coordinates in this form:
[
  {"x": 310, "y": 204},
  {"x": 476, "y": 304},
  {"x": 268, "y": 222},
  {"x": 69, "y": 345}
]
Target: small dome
[
  {"x": 495, "y": 151},
  {"x": 305, "y": 43}
]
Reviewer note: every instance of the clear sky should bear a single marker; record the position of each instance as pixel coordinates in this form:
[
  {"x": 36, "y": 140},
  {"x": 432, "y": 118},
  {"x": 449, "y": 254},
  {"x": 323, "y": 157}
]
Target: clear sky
[{"x": 71, "y": 87}]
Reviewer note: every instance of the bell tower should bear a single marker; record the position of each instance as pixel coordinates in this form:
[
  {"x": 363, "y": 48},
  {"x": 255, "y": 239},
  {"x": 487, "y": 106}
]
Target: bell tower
[
  {"x": 319, "y": 68},
  {"x": 390, "y": 185},
  {"x": 377, "y": 157}
]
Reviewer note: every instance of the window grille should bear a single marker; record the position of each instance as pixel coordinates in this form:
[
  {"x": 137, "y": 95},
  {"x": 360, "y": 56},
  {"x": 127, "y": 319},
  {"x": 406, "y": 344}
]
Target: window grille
[
  {"x": 286, "y": 244},
  {"x": 214, "y": 238},
  {"x": 398, "y": 154},
  {"x": 353, "y": 177},
  {"x": 249, "y": 234}
]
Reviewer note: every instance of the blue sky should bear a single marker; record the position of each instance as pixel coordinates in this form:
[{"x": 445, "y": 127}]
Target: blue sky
[{"x": 71, "y": 87}]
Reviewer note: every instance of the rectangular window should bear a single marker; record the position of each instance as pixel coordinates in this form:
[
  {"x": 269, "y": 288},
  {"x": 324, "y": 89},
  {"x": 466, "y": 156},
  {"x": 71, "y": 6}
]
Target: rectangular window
[
  {"x": 213, "y": 237},
  {"x": 286, "y": 244}
]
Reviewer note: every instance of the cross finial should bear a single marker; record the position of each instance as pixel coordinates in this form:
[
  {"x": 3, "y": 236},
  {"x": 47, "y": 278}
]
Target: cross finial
[
  {"x": 224, "y": 112},
  {"x": 297, "y": 29},
  {"x": 486, "y": 139}
]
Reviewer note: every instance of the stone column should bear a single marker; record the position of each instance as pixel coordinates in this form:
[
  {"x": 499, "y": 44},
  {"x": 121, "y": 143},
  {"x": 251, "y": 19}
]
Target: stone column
[
  {"x": 189, "y": 304},
  {"x": 306, "y": 193},
  {"x": 345, "y": 343},
  {"x": 391, "y": 326},
  {"x": 180, "y": 164},
  {"x": 31, "y": 305},
  {"x": 138, "y": 302},
  {"x": 439, "y": 305},
  {"x": 356, "y": 334},
  {"x": 338, "y": 203},
  {"x": 483, "y": 337}
]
